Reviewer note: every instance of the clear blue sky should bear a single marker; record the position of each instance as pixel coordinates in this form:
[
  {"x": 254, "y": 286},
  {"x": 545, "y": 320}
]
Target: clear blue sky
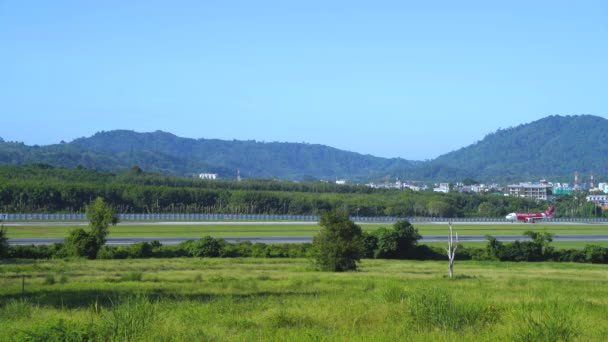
[{"x": 389, "y": 78}]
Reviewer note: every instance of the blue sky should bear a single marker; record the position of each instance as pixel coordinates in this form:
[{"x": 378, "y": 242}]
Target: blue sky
[{"x": 389, "y": 78}]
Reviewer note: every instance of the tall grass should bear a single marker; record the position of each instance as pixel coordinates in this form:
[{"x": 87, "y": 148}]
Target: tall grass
[
  {"x": 280, "y": 299},
  {"x": 549, "y": 321},
  {"x": 436, "y": 308}
]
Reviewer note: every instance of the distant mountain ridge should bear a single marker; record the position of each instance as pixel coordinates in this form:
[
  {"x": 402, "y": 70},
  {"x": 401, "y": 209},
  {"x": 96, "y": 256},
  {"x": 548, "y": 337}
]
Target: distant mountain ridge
[
  {"x": 552, "y": 146},
  {"x": 164, "y": 152}
]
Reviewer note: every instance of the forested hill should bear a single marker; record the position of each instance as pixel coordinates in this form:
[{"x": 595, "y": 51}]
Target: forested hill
[
  {"x": 164, "y": 152},
  {"x": 554, "y": 146}
]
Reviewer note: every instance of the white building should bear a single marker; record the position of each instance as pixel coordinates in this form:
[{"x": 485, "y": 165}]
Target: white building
[
  {"x": 443, "y": 187},
  {"x": 598, "y": 199},
  {"x": 530, "y": 190},
  {"x": 207, "y": 175}
]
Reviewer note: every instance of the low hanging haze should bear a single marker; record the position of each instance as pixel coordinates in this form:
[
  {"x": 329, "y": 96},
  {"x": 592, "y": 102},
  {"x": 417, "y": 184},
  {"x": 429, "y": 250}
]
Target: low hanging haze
[{"x": 410, "y": 79}]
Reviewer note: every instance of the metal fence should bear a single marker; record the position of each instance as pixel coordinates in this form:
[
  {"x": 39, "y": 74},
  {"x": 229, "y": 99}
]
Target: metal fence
[{"x": 264, "y": 218}]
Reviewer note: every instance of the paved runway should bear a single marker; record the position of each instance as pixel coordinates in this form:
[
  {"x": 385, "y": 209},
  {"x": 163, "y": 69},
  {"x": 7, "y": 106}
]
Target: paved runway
[{"x": 303, "y": 239}]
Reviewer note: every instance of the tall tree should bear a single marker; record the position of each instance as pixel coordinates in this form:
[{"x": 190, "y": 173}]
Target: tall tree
[
  {"x": 339, "y": 245},
  {"x": 100, "y": 216}
]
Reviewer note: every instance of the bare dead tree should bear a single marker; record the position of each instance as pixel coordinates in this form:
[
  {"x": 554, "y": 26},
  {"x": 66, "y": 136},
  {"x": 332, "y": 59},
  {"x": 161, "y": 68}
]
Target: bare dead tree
[{"x": 452, "y": 250}]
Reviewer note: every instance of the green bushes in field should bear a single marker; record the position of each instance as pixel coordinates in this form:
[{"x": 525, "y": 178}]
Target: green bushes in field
[
  {"x": 81, "y": 243},
  {"x": 398, "y": 242},
  {"x": 206, "y": 247}
]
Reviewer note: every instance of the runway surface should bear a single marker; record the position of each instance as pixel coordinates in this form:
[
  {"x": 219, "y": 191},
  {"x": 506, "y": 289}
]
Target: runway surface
[{"x": 304, "y": 239}]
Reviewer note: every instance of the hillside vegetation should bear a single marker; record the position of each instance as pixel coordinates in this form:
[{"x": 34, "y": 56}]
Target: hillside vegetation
[{"x": 555, "y": 147}]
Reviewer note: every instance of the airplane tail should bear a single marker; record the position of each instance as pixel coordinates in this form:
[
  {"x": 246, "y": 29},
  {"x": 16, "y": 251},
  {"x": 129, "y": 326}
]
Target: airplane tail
[{"x": 549, "y": 211}]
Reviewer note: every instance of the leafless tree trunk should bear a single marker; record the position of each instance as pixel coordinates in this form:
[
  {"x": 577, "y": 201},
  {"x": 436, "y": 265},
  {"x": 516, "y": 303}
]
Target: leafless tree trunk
[{"x": 452, "y": 250}]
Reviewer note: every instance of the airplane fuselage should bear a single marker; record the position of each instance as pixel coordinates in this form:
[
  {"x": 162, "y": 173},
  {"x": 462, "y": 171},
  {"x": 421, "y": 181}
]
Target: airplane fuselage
[{"x": 526, "y": 217}]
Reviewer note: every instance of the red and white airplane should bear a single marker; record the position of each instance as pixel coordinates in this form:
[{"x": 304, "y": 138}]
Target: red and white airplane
[{"x": 531, "y": 217}]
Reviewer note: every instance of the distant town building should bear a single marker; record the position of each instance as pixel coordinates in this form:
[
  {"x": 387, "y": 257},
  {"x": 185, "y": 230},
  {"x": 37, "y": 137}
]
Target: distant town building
[
  {"x": 443, "y": 187},
  {"x": 601, "y": 200},
  {"x": 207, "y": 175},
  {"x": 539, "y": 191},
  {"x": 341, "y": 182}
]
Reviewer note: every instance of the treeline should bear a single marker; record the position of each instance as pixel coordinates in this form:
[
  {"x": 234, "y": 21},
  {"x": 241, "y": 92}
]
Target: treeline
[
  {"x": 383, "y": 244},
  {"x": 47, "y": 189}
]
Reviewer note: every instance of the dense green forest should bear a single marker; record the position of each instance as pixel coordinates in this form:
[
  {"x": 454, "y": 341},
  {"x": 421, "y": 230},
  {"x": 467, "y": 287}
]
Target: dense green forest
[
  {"x": 166, "y": 153},
  {"x": 553, "y": 147},
  {"x": 41, "y": 188}
]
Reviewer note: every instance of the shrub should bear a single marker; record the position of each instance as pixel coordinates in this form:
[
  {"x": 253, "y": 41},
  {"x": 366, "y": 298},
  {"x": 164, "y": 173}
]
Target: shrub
[
  {"x": 370, "y": 245},
  {"x": 596, "y": 254},
  {"x": 206, "y": 247},
  {"x": 339, "y": 245},
  {"x": 31, "y": 252},
  {"x": 570, "y": 255},
  {"x": 398, "y": 242},
  {"x": 140, "y": 250},
  {"x": 81, "y": 243}
]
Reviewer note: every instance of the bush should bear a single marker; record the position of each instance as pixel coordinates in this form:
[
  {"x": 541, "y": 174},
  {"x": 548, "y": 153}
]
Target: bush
[
  {"x": 339, "y": 245},
  {"x": 34, "y": 252},
  {"x": 398, "y": 242},
  {"x": 206, "y": 247},
  {"x": 596, "y": 254},
  {"x": 370, "y": 245},
  {"x": 570, "y": 255},
  {"x": 140, "y": 250},
  {"x": 81, "y": 243}
]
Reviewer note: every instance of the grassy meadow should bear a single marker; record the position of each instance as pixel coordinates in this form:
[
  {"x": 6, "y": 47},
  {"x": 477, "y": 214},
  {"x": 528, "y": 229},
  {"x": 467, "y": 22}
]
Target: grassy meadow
[
  {"x": 286, "y": 300},
  {"x": 281, "y": 229}
]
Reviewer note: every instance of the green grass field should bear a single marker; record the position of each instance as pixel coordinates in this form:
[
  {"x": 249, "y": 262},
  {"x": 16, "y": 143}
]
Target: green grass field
[
  {"x": 243, "y": 229},
  {"x": 285, "y": 300}
]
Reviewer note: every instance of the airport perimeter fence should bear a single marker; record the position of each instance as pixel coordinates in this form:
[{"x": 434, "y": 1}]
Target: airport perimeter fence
[{"x": 263, "y": 218}]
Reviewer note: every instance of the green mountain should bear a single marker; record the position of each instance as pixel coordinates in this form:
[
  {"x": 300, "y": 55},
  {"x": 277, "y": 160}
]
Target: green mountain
[
  {"x": 166, "y": 153},
  {"x": 555, "y": 146}
]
